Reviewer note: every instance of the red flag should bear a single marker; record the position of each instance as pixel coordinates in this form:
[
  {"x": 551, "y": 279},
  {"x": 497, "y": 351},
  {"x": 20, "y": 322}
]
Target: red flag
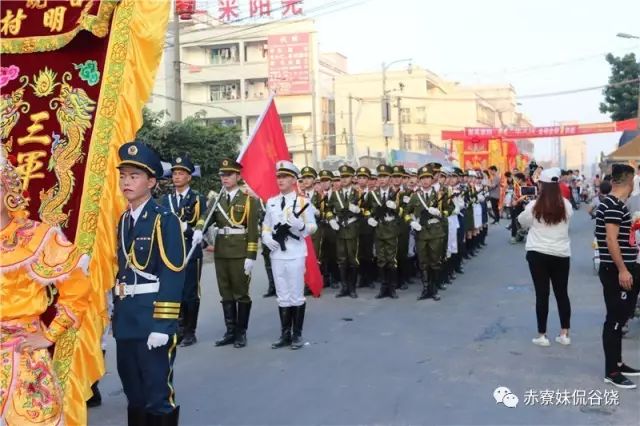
[{"x": 265, "y": 147}]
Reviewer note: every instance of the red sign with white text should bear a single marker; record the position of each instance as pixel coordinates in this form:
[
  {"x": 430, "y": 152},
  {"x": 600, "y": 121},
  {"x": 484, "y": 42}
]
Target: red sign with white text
[{"x": 289, "y": 71}]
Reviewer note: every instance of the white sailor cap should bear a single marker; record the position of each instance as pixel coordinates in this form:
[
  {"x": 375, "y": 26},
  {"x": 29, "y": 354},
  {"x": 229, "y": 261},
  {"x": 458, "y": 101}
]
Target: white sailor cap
[{"x": 285, "y": 167}]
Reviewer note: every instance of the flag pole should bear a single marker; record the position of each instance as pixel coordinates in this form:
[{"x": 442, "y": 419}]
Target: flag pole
[{"x": 255, "y": 127}]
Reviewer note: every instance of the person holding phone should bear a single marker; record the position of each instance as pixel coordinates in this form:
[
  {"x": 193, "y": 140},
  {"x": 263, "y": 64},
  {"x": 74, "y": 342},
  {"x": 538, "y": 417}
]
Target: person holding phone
[
  {"x": 517, "y": 205},
  {"x": 617, "y": 272},
  {"x": 549, "y": 253}
]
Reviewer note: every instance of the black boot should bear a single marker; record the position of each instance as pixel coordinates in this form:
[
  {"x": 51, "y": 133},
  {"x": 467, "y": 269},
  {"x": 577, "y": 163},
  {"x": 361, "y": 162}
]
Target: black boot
[
  {"x": 271, "y": 290},
  {"x": 344, "y": 284},
  {"x": 230, "y": 314},
  {"x": 96, "y": 398},
  {"x": 136, "y": 417},
  {"x": 392, "y": 276},
  {"x": 285, "y": 328},
  {"x": 169, "y": 419},
  {"x": 384, "y": 286},
  {"x": 243, "y": 322},
  {"x": 334, "y": 270},
  {"x": 326, "y": 275},
  {"x": 190, "y": 325},
  {"x": 353, "y": 279},
  {"x": 297, "y": 323},
  {"x": 371, "y": 272},
  {"x": 433, "y": 284},
  {"x": 426, "y": 291},
  {"x": 458, "y": 264},
  {"x": 439, "y": 279},
  {"x": 467, "y": 249},
  {"x": 362, "y": 275}
]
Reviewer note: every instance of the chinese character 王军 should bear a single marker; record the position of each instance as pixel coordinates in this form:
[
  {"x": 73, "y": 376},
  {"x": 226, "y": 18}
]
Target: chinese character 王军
[
  {"x": 562, "y": 397},
  {"x": 530, "y": 397},
  {"x": 291, "y": 7},
  {"x": 54, "y": 18},
  {"x": 29, "y": 166},
  {"x": 34, "y": 129},
  {"x": 546, "y": 397},
  {"x": 260, "y": 8},
  {"x": 11, "y": 23},
  {"x": 595, "y": 397},
  {"x": 228, "y": 9},
  {"x": 579, "y": 397},
  {"x": 611, "y": 397}
]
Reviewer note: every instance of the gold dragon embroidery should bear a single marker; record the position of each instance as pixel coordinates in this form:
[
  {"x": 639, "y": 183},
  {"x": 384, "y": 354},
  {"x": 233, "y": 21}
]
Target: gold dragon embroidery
[
  {"x": 11, "y": 105},
  {"x": 74, "y": 113}
]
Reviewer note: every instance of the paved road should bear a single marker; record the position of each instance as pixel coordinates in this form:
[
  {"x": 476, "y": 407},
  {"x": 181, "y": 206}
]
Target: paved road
[{"x": 401, "y": 362}]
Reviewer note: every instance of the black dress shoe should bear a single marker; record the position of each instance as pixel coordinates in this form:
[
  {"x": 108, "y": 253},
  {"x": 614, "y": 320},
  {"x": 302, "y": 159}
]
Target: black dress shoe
[
  {"x": 269, "y": 293},
  {"x": 435, "y": 297},
  {"x": 188, "y": 340},
  {"x": 96, "y": 398}
]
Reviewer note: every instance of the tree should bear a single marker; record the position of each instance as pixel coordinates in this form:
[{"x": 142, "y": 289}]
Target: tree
[
  {"x": 621, "y": 100},
  {"x": 205, "y": 144}
]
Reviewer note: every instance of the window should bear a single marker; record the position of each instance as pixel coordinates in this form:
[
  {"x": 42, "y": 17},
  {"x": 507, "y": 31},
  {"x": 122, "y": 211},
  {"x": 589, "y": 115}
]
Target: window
[
  {"x": 256, "y": 89},
  {"x": 423, "y": 142},
  {"x": 224, "y": 55},
  {"x": 421, "y": 115},
  {"x": 224, "y": 91},
  {"x": 405, "y": 115},
  {"x": 406, "y": 142},
  {"x": 287, "y": 123}
]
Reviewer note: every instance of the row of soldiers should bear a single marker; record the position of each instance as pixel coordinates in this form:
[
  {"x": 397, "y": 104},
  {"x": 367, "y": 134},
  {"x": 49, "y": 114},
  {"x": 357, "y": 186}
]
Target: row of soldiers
[{"x": 390, "y": 224}]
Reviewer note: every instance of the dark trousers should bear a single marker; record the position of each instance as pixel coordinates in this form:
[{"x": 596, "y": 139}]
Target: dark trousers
[
  {"x": 544, "y": 269},
  {"x": 515, "y": 225},
  {"x": 147, "y": 375},
  {"x": 495, "y": 208},
  {"x": 617, "y": 301}
]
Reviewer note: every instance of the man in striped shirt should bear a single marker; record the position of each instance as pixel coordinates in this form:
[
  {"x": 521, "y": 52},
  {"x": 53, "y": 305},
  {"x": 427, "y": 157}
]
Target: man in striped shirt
[{"x": 617, "y": 272}]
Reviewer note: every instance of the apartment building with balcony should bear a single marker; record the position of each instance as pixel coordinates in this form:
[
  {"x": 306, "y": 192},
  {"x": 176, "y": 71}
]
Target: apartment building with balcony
[{"x": 228, "y": 72}]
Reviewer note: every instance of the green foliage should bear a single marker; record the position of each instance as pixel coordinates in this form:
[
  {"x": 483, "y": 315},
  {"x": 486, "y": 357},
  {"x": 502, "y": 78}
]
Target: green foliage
[
  {"x": 205, "y": 144},
  {"x": 621, "y": 101}
]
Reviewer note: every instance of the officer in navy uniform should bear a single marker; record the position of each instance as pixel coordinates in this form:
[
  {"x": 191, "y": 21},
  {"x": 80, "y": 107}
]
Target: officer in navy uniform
[
  {"x": 190, "y": 207},
  {"x": 147, "y": 292}
]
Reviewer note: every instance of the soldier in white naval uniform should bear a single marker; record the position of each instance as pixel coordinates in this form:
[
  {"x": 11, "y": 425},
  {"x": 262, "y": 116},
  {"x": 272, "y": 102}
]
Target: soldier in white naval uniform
[{"x": 289, "y": 218}]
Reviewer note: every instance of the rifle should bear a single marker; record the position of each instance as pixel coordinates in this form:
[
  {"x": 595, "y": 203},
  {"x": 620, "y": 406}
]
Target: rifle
[
  {"x": 204, "y": 225},
  {"x": 283, "y": 230}
]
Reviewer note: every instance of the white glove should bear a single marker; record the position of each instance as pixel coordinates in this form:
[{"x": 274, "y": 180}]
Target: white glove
[
  {"x": 334, "y": 224},
  {"x": 391, "y": 204},
  {"x": 434, "y": 212},
  {"x": 157, "y": 340},
  {"x": 297, "y": 223},
  {"x": 406, "y": 199},
  {"x": 416, "y": 226},
  {"x": 481, "y": 198},
  {"x": 316, "y": 212},
  {"x": 197, "y": 237},
  {"x": 248, "y": 266},
  {"x": 268, "y": 241},
  {"x": 456, "y": 211},
  {"x": 183, "y": 226},
  {"x": 372, "y": 222},
  {"x": 353, "y": 208}
]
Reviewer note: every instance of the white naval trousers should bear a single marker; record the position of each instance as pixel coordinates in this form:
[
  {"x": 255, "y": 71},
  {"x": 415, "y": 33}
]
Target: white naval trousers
[
  {"x": 452, "y": 243},
  {"x": 288, "y": 275},
  {"x": 477, "y": 216}
]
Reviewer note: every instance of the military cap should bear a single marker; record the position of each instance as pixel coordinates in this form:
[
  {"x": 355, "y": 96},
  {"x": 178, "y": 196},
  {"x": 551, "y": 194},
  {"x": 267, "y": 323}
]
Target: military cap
[
  {"x": 336, "y": 176},
  {"x": 436, "y": 167},
  {"x": 346, "y": 170},
  {"x": 398, "y": 170},
  {"x": 384, "y": 170},
  {"x": 326, "y": 175},
  {"x": 425, "y": 171},
  {"x": 308, "y": 171},
  {"x": 285, "y": 167},
  {"x": 363, "y": 171},
  {"x": 230, "y": 166},
  {"x": 471, "y": 173},
  {"x": 458, "y": 171},
  {"x": 374, "y": 175},
  {"x": 412, "y": 172},
  {"x": 183, "y": 163},
  {"x": 141, "y": 156}
]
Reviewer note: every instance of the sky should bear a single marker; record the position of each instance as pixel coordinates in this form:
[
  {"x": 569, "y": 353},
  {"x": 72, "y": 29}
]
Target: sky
[{"x": 537, "y": 46}]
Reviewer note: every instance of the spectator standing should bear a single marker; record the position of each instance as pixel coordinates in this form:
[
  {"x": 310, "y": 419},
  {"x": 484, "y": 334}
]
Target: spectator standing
[{"x": 494, "y": 193}]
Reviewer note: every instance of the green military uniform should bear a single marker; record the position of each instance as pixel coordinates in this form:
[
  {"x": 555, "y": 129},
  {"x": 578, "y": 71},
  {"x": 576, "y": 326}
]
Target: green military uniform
[
  {"x": 329, "y": 261},
  {"x": 403, "y": 195},
  {"x": 236, "y": 218},
  {"x": 427, "y": 212},
  {"x": 365, "y": 238},
  {"x": 382, "y": 212},
  {"x": 343, "y": 214}
]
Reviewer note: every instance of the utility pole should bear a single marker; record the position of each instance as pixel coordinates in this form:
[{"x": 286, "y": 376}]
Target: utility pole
[
  {"x": 176, "y": 67},
  {"x": 350, "y": 150},
  {"x": 400, "y": 140},
  {"x": 304, "y": 142}
]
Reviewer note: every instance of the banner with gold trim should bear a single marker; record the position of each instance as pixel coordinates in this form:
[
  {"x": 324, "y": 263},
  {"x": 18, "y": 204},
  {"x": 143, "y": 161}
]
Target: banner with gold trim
[{"x": 74, "y": 76}]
